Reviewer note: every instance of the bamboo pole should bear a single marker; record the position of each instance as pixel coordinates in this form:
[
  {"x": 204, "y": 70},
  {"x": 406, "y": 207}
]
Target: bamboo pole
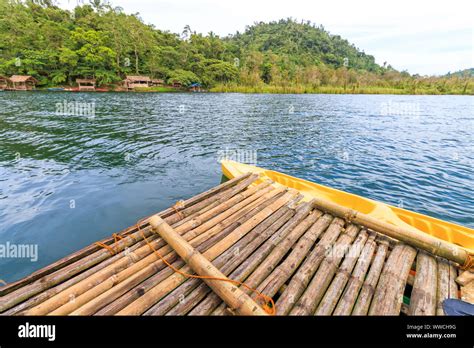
[
  {"x": 453, "y": 287},
  {"x": 212, "y": 200},
  {"x": 76, "y": 290},
  {"x": 65, "y": 273},
  {"x": 447, "y": 287},
  {"x": 50, "y": 292},
  {"x": 94, "y": 297},
  {"x": 227, "y": 207},
  {"x": 420, "y": 240},
  {"x": 423, "y": 294},
  {"x": 335, "y": 289},
  {"x": 281, "y": 249},
  {"x": 226, "y": 227},
  {"x": 156, "y": 293},
  {"x": 37, "y": 287},
  {"x": 226, "y": 290},
  {"x": 215, "y": 201},
  {"x": 285, "y": 270},
  {"x": 130, "y": 296},
  {"x": 467, "y": 293},
  {"x": 196, "y": 296},
  {"x": 309, "y": 300},
  {"x": 80, "y": 254},
  {"x": 443, "y": 285},
  {"x": 465, "y": 278},
  {"x": 226, "y": 256},
  {"x": 213, "y": 302},
  {"x": 368, "y": 288},
  {"x": 226, "y": 263},
  {"x": 209, "y": 229},
  {"x": 281, "y": 245},
  {"x": 349, "y": 297},
  {"x": 388, "y": 296},
  {"x": 300, "y": 280}
]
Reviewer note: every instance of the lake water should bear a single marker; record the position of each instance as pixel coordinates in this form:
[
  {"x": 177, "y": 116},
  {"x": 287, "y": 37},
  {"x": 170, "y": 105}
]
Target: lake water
[{"x": 71, "y": 176}]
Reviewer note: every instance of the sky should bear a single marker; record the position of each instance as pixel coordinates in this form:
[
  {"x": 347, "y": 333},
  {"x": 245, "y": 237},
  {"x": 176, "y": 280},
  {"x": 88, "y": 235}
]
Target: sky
[{"x": 423, "y": 37}]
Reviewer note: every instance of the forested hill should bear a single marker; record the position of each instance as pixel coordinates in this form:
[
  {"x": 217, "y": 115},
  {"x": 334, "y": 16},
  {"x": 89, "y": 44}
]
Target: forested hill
[
  {"x": 302, "y": 43},
  {"x": 462, "y": 73},
  {"x": 98, "y": 40}
]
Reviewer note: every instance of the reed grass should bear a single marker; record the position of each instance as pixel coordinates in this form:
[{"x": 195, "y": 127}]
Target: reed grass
[
  {"x": 157, "y": 89},
  {"x": 309, "y": 89}
]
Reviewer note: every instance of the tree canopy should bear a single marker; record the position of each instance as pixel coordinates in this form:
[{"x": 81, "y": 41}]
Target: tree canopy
[{"x": 98, "y": 40}]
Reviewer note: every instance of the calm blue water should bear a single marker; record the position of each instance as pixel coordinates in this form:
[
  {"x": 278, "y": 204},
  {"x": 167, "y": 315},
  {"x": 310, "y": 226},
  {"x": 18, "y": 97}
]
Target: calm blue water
[{"x": 69, "y": 180}]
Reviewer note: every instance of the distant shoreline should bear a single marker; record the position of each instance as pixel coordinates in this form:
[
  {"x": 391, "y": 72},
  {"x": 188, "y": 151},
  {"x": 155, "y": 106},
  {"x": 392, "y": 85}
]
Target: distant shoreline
[
  {"x": 335, "y": 90},
  {"x": 280, "y": 90}
]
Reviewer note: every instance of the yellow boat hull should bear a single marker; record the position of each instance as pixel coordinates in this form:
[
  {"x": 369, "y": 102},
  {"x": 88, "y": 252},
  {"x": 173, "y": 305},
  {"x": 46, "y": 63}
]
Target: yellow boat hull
[{"x": 446, "y": 231}]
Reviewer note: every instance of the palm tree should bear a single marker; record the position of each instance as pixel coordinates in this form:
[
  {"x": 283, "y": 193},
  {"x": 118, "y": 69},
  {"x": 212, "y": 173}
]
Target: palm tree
[{"x": 187, "y": 32}]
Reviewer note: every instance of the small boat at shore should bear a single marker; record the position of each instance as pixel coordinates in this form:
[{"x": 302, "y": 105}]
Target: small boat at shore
[
  {"x": 56, "y": 89},
  {"x": 447, "y": 231}
]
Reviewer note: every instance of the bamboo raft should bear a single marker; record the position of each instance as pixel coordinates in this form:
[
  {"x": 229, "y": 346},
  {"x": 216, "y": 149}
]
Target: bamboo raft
[{"x": 249, "y": 241}]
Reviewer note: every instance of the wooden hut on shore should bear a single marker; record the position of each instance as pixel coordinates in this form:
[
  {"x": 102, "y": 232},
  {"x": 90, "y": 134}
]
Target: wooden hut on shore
[
  {"x": 157, "y": 82},
  {"x": 132, "y": 82},
  {"x": 176, "y": 84},
  {"x": 23, "y": 83},
  {"x": 4, "y": 82},
  {"x": 86, "y": 85}
]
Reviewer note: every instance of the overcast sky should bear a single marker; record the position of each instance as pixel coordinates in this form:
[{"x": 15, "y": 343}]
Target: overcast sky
[{"x": 424, "y": 37}]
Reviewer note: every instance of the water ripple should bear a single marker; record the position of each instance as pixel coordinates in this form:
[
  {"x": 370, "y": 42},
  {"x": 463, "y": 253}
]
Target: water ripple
[{"x": 68, "y": 180}]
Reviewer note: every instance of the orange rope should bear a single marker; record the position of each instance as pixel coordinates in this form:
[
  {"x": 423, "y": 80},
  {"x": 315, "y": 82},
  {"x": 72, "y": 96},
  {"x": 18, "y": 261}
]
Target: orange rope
[
  {"x": 111, "y": 248},
  {"x": 266, "y": 299},
  {"x": 180, "y": 204},
  {"x": 469, "y": 264},
  {"x": 176, "y": 206},
  {"x": 3, "y": 282}
]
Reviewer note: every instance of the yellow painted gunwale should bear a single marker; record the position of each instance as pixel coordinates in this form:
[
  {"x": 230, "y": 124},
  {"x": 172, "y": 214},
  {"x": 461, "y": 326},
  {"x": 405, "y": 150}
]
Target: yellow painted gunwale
[{"x": 447, "y": 231}]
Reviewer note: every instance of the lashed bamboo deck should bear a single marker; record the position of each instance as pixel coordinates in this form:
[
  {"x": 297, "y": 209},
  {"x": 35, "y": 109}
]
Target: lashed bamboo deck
[{"x": 308, "y": 261}]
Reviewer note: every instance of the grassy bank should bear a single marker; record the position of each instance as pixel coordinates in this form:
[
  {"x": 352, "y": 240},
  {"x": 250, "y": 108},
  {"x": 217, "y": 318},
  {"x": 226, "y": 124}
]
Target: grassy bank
[
  {"x": 157, "y": 89},
  {"x": 303, "y": 89}
]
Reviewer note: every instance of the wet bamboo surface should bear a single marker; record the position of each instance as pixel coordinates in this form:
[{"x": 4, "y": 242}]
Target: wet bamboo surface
[{"x": 308, "y": 261}]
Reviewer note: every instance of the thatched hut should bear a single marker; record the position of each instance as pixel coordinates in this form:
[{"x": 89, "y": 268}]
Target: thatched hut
[
  {"x": 176, "y": 84},
  {"x": 157, "y": 82},
  {"x": 23, "y": 82},
  {"x": 132, "y": 82},
  {"x": 4, "y": 82},
  {"x": 86, "y": 85}
]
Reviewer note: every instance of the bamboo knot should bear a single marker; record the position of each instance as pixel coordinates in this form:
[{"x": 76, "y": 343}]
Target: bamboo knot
[
  {"x": 133, "y": 257},
  {"x": 469, "y": 264},
  {"x": 350, "y": 215}
]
